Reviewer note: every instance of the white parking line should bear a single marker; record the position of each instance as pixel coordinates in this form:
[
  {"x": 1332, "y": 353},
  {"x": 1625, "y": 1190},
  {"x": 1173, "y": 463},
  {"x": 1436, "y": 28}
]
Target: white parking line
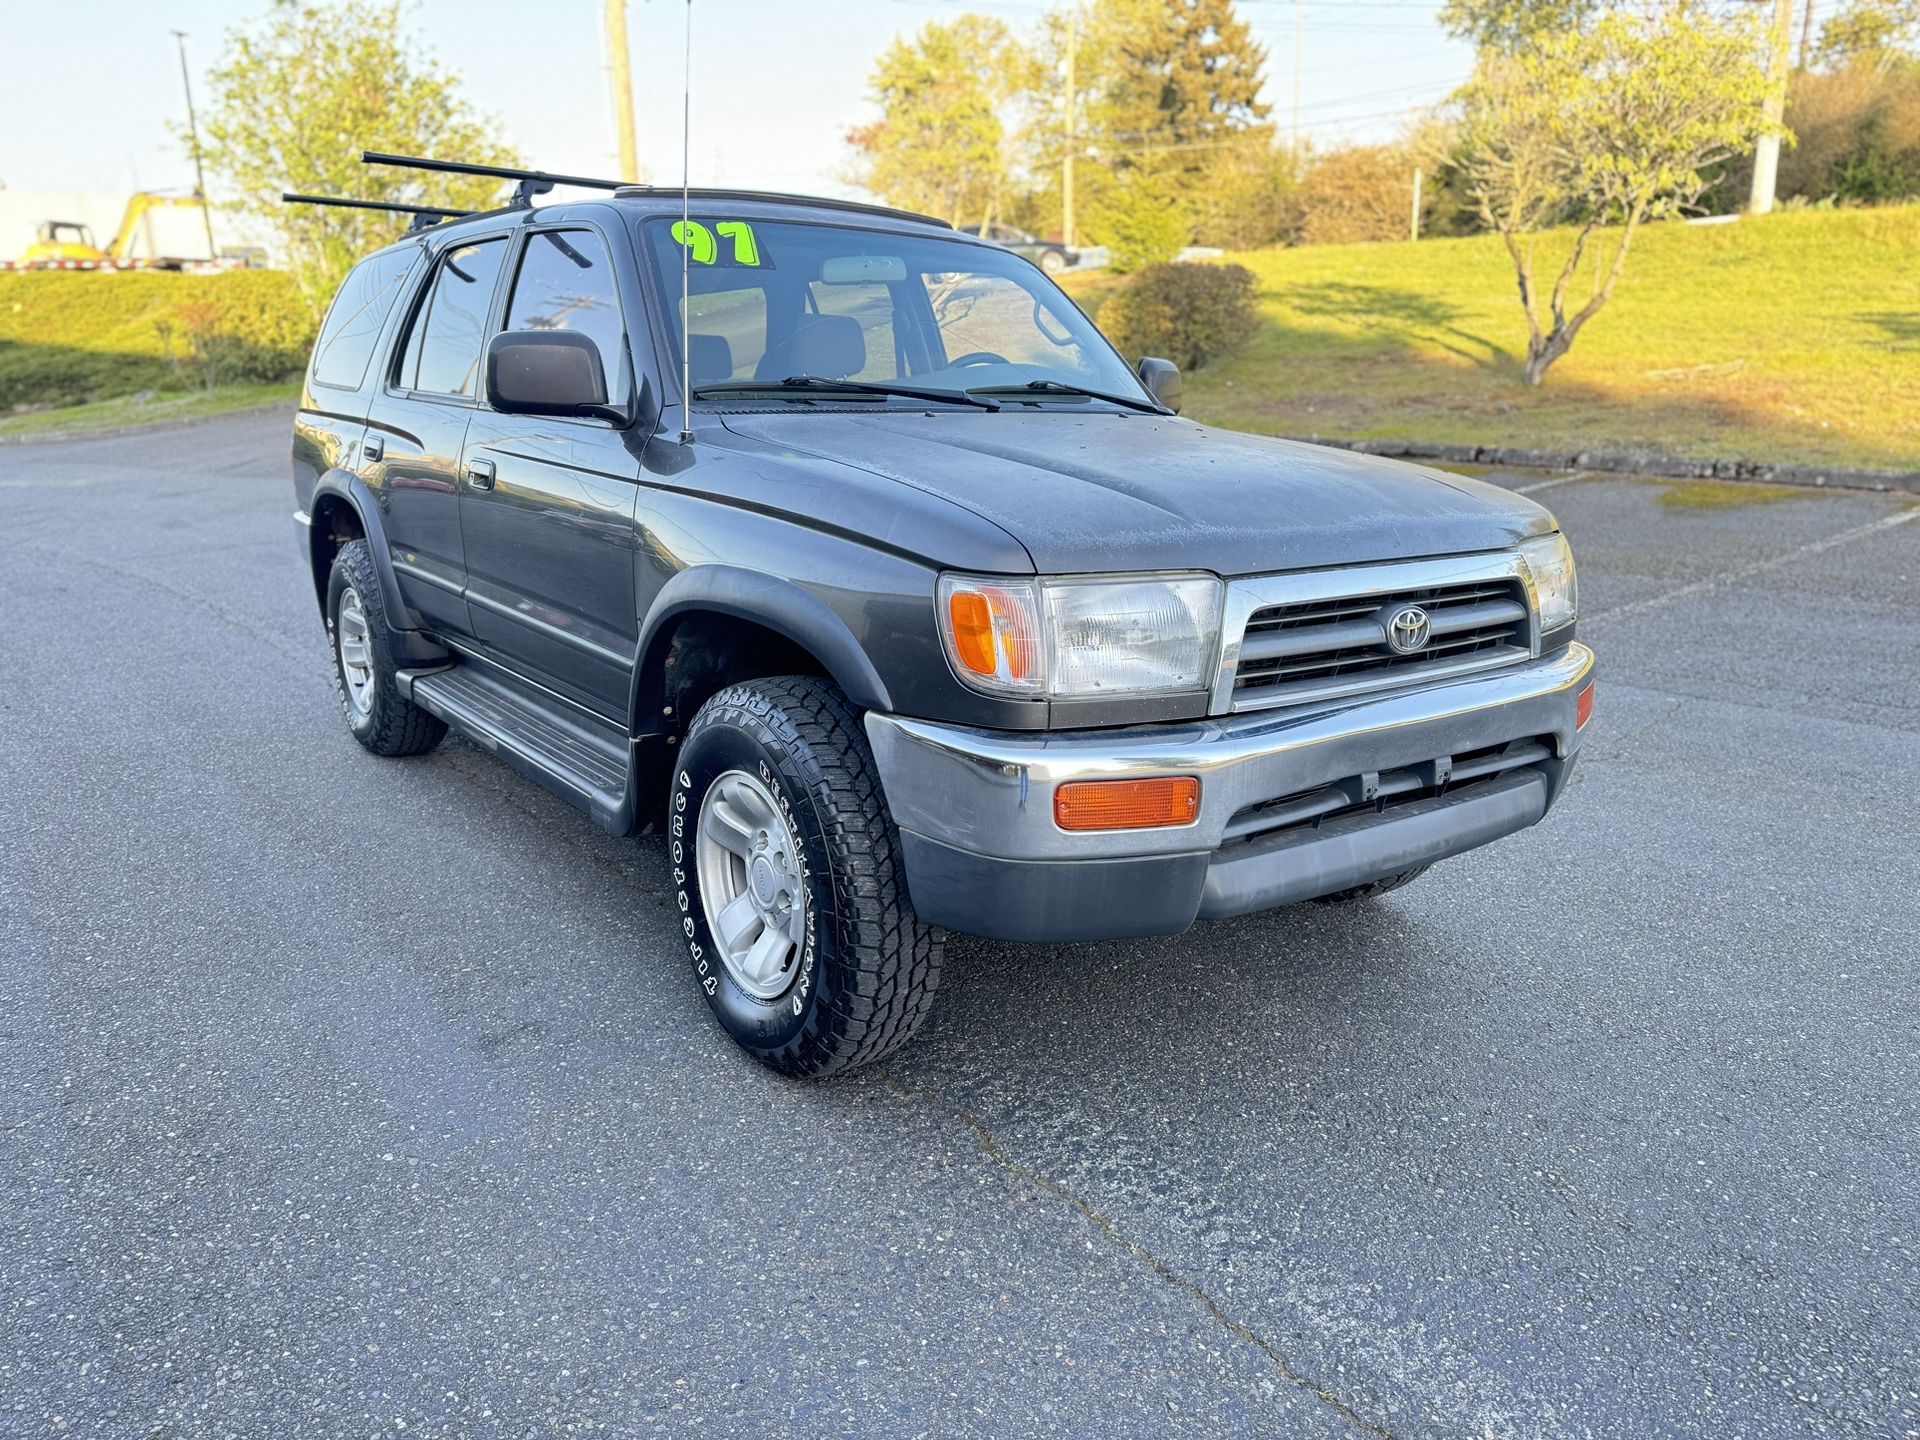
[
  {"x": 1540, "y": 485},
  {"x": 1714, "y": 582}
]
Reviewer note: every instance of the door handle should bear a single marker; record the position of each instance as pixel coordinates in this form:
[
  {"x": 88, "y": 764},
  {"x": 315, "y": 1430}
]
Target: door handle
[
  {"x": 372, "y": 448},
  {"x": 480, "y": 474}
]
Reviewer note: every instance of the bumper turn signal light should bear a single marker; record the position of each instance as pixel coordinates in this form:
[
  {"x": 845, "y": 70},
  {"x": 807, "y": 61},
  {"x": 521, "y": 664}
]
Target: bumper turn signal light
[
  {"x": 1127, "y": 804},
  {"x": 1583, "y": 707}
]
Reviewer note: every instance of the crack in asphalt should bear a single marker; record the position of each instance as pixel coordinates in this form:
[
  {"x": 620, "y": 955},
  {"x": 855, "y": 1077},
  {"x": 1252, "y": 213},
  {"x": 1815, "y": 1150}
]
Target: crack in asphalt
[{"x": 1161, "y": 1268}]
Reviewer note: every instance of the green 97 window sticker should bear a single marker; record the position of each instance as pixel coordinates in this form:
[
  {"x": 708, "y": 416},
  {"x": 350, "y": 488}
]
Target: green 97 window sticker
[{"x": 728, "y": 243}]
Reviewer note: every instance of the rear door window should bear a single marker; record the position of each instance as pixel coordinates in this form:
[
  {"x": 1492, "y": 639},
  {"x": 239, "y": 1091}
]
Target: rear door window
[
  {"x": 443, "y": 357},
  {"x": 345, "y": 346}
]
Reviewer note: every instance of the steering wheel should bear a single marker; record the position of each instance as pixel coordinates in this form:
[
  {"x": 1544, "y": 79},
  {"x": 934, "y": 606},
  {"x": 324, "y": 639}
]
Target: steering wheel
[{"x": 978, "y": 357}]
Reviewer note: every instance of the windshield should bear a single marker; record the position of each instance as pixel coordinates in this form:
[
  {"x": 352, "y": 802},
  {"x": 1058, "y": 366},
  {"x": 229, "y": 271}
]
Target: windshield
[{"x": 771, "y": 302}]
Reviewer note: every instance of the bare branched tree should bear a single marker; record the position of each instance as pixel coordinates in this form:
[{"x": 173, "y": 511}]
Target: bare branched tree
[{"x": 1610, "y": 124}]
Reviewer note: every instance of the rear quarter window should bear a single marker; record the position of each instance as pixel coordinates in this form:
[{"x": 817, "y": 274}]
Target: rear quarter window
[{"x": 353, "y": 324}]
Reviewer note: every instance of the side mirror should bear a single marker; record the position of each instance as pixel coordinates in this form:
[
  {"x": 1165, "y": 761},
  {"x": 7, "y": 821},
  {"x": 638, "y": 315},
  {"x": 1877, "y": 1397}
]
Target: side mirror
[
  {"x": 548, "y": 372},
  {"x": 1162, "y": 379}
]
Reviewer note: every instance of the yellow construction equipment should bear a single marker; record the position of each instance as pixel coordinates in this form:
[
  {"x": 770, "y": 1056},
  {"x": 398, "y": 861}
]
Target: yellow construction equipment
[{"x": 69, "y": 245}]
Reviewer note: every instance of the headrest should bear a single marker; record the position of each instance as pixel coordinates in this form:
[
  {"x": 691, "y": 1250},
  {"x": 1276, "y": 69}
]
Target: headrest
[
  {"x": 830, "y": 345},
  {"x": 710, "y": 358}
]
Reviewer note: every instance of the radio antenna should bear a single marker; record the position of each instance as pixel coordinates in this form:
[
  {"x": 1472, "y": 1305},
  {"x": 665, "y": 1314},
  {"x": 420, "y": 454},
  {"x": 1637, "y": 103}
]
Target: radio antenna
[{"x": 686, "y": 234}]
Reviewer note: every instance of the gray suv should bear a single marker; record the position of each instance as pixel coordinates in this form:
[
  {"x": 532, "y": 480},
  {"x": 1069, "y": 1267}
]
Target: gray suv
[{"x": 842, "y": 549}]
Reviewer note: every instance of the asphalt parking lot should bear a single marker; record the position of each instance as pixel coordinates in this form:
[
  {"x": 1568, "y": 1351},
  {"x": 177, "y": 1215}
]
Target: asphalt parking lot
[{"x": 342, "y": 1097}]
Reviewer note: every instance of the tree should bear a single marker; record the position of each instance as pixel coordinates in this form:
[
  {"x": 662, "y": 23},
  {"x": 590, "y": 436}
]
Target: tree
[
  {"x": 1359, "y": 193},
  {"x": 1614, "y": 124},
  {"x": 1167, "y": 117},
  {"x": 1510, "y": 26},
  {"x": 940, "y": 143},
  {"x": 298, "y": 96},
  {"x": 1184, "y": 75},
  {"x": 1881, "y": 33}
]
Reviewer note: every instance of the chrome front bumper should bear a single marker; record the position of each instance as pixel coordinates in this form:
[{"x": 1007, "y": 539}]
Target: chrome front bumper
[{"x": 975, "y": 807}]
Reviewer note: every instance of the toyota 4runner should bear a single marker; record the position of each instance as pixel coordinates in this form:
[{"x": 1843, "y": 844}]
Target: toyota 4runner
[{"x": 844, "y": 550}]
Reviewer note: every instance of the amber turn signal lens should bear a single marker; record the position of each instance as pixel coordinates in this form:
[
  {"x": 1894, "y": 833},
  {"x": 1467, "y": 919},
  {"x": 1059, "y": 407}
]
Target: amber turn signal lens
[
  {"x": 972, "y": 631},
  {"x": 993, "y": 631},
  {"x": 1583, "y": 707},
  {"x": 1126, "y": 804}
]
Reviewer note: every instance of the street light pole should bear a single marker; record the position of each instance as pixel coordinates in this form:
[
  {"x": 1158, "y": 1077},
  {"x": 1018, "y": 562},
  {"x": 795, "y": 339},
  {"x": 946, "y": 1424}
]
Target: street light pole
[{"x": 193, "y": 140}]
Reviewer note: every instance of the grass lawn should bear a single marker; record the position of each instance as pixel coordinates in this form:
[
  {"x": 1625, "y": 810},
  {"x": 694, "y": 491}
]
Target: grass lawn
[
  {"x": 1793, "y": 339},
  {"x": 157, "y": 409}
]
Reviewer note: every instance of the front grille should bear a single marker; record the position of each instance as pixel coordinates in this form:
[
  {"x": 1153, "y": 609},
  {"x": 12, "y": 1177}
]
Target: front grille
[
  {"x": 1448, "y": 775},
  {"x": 1318, "y": 648}
]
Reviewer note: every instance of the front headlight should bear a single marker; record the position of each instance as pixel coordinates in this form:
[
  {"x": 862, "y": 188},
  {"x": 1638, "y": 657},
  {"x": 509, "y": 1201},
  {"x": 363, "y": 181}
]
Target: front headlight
[
  {"x": 1550, "y": 563},
  {"x": 1078, "y": 639}
]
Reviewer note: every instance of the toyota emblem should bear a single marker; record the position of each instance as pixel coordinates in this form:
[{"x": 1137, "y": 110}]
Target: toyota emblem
[{"x": 1408, "y": 630}]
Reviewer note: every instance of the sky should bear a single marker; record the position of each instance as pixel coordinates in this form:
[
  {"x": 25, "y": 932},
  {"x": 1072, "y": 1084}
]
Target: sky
[{"x": 92, "y": 85}]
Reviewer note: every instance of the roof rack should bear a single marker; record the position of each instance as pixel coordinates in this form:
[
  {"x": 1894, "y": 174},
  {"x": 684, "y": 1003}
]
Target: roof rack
[
  {"x": 531, "y": 182},
  {"x": 423, "y": 215},
  {"x": 778, "y": 197}
]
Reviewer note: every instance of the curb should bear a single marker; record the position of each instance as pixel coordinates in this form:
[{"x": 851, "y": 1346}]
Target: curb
[
  {"x": 1663, "y": 467},
  {"x": 115, "y": 432}
]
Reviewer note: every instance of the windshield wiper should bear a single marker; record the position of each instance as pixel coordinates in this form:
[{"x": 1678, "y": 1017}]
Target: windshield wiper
[
  {"x": 1054, "y": 387},
  {"x": 820, "y": 385}
]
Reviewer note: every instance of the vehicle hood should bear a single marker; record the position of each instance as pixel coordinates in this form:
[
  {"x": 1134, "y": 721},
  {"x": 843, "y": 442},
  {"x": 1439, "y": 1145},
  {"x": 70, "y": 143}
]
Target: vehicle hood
[{"x": 1103, "y": 492}]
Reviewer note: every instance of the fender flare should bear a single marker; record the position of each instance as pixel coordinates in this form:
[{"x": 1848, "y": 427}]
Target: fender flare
[
  {"x": 761, "y": 599},
  {"x": 358, "y": 496}
]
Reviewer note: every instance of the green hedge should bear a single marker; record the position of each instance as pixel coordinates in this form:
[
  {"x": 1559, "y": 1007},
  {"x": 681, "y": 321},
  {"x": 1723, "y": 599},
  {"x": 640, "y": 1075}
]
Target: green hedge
[
  {"x": 1188, "y": 314},
  {"x": 67, "y": 337}
]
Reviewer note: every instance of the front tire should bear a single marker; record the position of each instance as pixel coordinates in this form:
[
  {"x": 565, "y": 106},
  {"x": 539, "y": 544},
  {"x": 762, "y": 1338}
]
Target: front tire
[
  {"x": 1052, "y": 261},
  {"x": 380, "y": 717},
  {"x": 788, "y": 881}
]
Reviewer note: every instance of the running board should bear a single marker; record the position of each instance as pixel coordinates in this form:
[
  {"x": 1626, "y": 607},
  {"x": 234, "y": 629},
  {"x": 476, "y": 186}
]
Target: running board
[{"x": 578, "y": 756}]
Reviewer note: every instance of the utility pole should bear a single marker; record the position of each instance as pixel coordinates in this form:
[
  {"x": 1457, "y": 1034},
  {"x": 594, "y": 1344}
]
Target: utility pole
[
  {"x": 1419, "y": 183},
  {"x": 193, "y": 140},
  {"x": 1299, "y": 61},
  {"x": 620, "y": 69},
  {"x": 1806, "y": 34},
  {"x": 1766, "y": 156},
  {"x": 1073, "y": 139}
]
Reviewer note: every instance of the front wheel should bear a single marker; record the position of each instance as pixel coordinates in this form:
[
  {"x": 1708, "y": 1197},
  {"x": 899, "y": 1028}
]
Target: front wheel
[
  {"x": 789, "y": 884},
  {"x": 1052, "y": 261}
]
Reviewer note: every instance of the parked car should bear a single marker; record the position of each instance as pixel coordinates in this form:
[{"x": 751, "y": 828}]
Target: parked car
[
  {"x": 1049, "y": 255},
  {"x": 865, "y": 570}
]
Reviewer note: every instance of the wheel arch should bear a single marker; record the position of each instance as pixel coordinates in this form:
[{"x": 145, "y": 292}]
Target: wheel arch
[
  {"x": 347, "y": 511},
  {"x": 760, "y": 620},
  {"x": 713, "y": 626},
  {"x": 344, "y": 511}
]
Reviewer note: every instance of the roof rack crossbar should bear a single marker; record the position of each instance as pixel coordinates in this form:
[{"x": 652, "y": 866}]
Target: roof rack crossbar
[
  {"x": 531, "y": 182},
  {"x": 423, "y": 215},
  {"x": 289, "y": 198}
]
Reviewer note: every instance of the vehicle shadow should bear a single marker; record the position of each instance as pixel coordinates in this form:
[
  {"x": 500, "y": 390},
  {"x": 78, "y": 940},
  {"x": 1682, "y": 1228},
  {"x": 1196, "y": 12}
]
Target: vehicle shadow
[{"x": 1268, "y": 988}]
